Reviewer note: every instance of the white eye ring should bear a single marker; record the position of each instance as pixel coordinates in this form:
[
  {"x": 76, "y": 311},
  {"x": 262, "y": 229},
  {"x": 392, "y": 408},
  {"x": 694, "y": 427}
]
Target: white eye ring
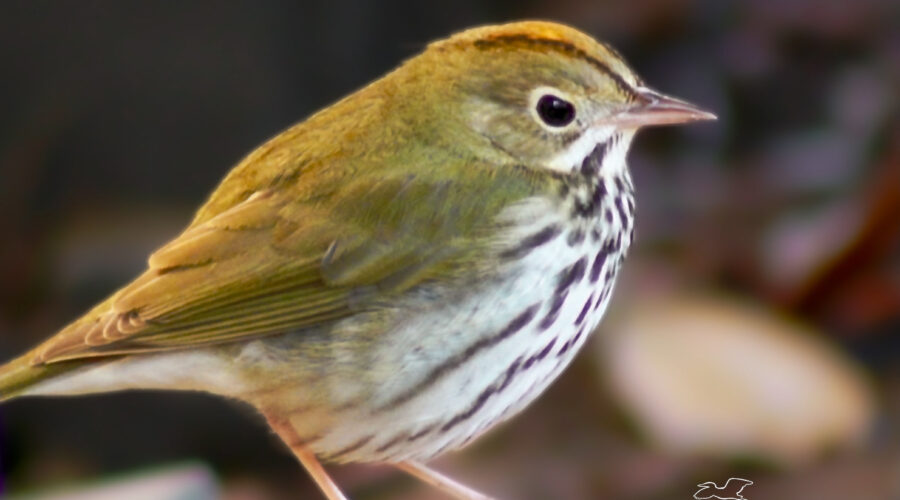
[{"x": 552, "y": 108}]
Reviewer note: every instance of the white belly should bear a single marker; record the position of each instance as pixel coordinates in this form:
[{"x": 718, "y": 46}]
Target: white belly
[{"x": 464, "y": 368}]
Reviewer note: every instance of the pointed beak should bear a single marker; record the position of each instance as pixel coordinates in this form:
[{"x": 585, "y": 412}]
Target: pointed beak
[{"x": 653, "y": 108}]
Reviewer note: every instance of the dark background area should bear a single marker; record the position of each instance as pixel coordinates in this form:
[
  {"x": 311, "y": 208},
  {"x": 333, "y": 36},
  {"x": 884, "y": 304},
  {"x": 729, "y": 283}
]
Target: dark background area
[{"x": 118, "y": 118}]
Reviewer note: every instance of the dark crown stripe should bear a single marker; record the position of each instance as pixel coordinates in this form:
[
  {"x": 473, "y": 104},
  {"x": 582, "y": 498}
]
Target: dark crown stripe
[
  {"x": 446, "y": 367},
  {"x": 561, "y": 46}
]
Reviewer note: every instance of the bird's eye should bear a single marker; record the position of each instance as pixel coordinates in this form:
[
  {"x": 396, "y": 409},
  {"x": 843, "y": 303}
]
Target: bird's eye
[{"x": 555, "y": 111}]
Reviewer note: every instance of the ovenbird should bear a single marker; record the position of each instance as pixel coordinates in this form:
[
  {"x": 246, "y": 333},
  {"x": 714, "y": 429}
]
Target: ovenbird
[{"x": 405, "y": 269}]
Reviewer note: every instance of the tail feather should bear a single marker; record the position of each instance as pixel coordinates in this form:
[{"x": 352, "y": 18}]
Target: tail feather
[{"x": 20, "y": 374}]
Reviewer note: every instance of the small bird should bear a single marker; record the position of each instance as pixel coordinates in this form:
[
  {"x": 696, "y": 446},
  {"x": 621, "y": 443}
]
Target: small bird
[
  {"x": 399, "y": 273},
  {"x": 731, "y": 491}
]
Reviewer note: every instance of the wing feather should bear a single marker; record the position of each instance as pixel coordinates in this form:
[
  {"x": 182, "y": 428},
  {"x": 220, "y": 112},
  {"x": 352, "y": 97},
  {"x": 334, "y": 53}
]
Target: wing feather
[
  {"x": 220, "y": 281},
  {"x": 276, "y": 262}
]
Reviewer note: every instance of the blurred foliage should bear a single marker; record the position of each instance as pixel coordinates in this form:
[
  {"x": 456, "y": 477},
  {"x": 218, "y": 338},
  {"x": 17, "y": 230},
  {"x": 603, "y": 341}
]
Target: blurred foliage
[{"x": 119, "y": 117}]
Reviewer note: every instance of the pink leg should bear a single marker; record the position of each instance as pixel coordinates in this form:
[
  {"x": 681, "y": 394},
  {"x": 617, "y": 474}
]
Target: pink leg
[
  {"x": 441, "y": 482},
  {"x": 307, "y": 458}
]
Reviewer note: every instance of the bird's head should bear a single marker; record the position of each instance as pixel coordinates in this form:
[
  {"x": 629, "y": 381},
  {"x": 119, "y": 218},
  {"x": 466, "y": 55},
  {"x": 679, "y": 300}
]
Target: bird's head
[{"x": 541, "y": 94}]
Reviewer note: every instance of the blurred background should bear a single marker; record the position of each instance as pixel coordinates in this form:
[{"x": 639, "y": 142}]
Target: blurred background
[{"x": 755, "y": 331}]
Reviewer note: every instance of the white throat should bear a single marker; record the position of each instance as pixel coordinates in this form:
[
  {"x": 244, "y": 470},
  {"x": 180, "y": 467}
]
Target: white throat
[{"x": 614, "y": 160}]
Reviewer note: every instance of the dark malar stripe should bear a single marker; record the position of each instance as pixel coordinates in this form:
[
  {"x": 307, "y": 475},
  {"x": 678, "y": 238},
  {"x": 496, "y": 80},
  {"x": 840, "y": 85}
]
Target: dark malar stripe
[
  {"x": 482, "y": 398},
  {"x": 531, "y": 242},
  {"x": 590, "y": 167},
  {"x": 446, "y": 367},
  {"x": 593, "y": 162}
]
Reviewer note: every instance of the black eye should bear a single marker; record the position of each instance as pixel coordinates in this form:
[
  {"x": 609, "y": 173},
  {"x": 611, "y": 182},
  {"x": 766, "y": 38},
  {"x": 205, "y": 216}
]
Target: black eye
[{"x": 554, "y": 111}]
